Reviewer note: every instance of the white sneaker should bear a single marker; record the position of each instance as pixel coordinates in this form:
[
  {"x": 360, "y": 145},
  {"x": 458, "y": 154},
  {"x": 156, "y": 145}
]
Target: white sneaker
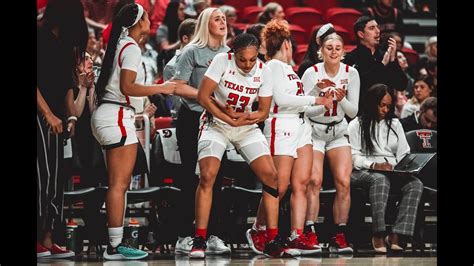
[
  {"x": 215, "y": 245},
  {"x": 183, "y": 245}
]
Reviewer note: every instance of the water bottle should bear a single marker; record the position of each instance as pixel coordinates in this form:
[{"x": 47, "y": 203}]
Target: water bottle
[
  {"x": 133, "y": 226},
  {"x": 71, "y": 231},
  {"x": 135, "y": 184}
]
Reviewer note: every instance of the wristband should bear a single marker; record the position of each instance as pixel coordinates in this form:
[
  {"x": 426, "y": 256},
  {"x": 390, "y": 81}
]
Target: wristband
[{"x": 72, "y": 117}]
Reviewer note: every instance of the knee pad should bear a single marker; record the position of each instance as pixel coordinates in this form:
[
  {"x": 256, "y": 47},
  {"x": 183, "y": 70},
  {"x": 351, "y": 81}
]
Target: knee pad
[{"x": 270, "y": 190}]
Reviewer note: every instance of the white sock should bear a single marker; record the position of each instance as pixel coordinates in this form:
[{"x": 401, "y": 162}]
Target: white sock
[
  {"x": 115, "y": 235},
  {"x": 258, "y": 227},
  {"x": 309, "y": 222}
]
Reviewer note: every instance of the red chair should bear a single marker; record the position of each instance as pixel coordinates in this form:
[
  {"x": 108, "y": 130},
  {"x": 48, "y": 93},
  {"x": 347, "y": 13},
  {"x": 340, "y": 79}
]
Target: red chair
[
  {"x": 321, "y": 5},
  {"x": 300, "y": 35},
  {"x": 163, "y": 122},
  {"x": 346, "y": 37},
  {"x": 300, "y": 52},
  {"x": 411, "y": 55},
  {"x": 240, "y": 4},
  {"x": 344, "y": 17},
  {"x": 250, "y": 14},
  {"x": 306, "y": 17},
  {"x": 349, "y": 48},
  {"x": 284, "y": 3}
]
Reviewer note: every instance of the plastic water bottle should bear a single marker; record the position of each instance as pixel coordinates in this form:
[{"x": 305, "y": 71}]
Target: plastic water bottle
[
  {"x": 133, "y": 227},
  {"x": 135, "y": 184},
  {"x": 71, "y": 231}
]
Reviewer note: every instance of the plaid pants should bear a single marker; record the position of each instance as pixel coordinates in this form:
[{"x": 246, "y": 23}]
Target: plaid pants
[{"x": 378, "y": 185}]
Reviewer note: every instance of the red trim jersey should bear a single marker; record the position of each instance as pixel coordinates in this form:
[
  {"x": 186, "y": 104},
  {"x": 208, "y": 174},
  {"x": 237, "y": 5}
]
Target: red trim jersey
[{"x": 236, "y": 88}]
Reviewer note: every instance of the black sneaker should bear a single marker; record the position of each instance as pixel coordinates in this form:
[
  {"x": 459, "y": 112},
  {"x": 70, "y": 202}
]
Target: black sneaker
[
  {"x": 338, "y": 244},
  {"x": 199, "y": 248},
  {"x": 123, "y": 252},
  {"x": 277, "y": 248}
]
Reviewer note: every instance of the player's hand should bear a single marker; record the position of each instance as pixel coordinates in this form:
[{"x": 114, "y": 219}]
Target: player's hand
[
  {"x": 324, "y": 83},
  {"x": 383, "y": 166},
  {"x": 243, "y": 120},
  {"x": 168, "y": 87},
  {"x": 55, "y": 124},
  {"x": 340, "y": 93},
  {"x": 71, "y": 127},
  {"x": 325, "y": 100}
]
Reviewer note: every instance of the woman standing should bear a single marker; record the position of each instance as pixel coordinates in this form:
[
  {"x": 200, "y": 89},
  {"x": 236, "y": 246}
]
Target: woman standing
[
  {"x": 329, "y": 135},
  {"x": 122, "y": 76}
]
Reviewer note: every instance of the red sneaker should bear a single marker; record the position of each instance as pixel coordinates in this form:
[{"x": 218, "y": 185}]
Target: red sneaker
[
  {"x": 338, "y": 244},
  {"x": 41, "y": 251},
  {"x": 301, "y": 244},
  {"x": 58, "y": 252},
  {"x": 256, "y": 240},
  {"x": 312, "y": 239}
]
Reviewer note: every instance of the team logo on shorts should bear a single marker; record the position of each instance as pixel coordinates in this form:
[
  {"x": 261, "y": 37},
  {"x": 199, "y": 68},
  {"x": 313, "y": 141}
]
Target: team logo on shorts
[{"x": 256, "y": 79}]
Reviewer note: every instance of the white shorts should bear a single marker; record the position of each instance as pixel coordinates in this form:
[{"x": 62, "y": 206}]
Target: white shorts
[
  {"x": 286, "y": 134},
  {"x": 113, "y": 125},
  {"x": 325, "y": 139},
  {"x": 216, "y": 136}
]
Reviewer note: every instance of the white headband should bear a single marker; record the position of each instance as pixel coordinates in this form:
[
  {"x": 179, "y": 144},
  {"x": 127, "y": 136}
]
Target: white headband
[
  {"x": 139, "y": 15},
  {"x": 324, "y": 28}
]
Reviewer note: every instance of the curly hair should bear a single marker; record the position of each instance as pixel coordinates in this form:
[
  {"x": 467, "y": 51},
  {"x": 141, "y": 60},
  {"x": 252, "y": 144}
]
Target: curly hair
[{"x": 274, "y": 34}]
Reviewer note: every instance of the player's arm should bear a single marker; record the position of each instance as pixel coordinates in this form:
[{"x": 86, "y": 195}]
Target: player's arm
[{"x": 263, "y": 109}]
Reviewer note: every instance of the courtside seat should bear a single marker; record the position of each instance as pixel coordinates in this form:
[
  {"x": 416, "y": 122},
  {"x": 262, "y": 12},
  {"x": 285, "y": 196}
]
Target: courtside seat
[{"x": 305, "y": 17}]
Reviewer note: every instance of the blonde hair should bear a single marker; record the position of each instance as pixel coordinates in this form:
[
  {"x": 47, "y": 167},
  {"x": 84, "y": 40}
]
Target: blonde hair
[
  {"x": 201, "y": 33},
  {"x": 332, "y": 36}
]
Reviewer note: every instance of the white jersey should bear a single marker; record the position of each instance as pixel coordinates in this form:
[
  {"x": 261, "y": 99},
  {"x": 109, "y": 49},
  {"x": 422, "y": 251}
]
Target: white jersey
[
  {"x": 236, "y": 88},
  {"x": 288, "y": 93},
  {"x": 127, "y": 56},
  {"x": 346, "y": 78}
]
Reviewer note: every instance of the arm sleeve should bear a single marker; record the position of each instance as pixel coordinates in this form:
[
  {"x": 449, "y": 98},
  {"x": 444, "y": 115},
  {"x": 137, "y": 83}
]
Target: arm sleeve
[
  {"x": 267, "y": 85},
  {"x": 403, "y": 148},
  {"x": 283, "y": 99},
  {"x": 217, "y": 67},
  {"x": 350, "y": 103},
  {"x": 131, "y": 58},
  {"x": 359, "y": 160},
  {"x": 185, "y": 64}
]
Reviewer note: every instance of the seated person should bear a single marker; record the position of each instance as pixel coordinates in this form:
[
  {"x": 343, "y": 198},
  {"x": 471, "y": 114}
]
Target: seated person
[
  {"x": 425, "y": 118},
  {"x": 378, "y": 142},
  {"x": 421, "y": 90}
]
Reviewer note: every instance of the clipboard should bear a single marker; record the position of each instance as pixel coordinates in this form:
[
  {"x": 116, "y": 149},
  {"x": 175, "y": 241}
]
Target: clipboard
[{"x": 412, "y": 163}]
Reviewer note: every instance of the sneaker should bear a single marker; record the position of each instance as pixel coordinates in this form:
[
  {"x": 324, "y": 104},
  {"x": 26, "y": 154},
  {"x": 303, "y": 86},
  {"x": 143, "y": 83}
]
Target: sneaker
[
  {"x": 183, "y": 245},
  {"x": 216, "y": 246},
  {"x": 41, "y": 251},
  {"x": 123, "y": 252},
  {"x": 58, "y": 253},
  {"x": 301, "y": 244},
  {"x": 256, "y": 240},
  {"x": 199, "y": 246},
  {"x": 277, "y": 248},
  {"x": 312, "y": 239},
  {"x": 338, "y": 244}
]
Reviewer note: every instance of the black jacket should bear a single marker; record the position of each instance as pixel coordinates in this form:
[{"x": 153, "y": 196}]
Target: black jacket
[
  {"x": 372, "y": 71},
  {"x": 410, "y": 123}
]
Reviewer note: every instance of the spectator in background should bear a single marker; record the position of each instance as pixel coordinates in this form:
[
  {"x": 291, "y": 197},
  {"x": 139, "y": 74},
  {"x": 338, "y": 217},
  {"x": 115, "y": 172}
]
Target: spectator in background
[
  {"x": 271, "y": 10},
  {"x": 231, "y": 17},
  {"x": 388, "y": 18},
  {"x": 403, "y": 62},
  {"x": 401, "y": 100},
  {"x": 98, "y": 13},
  {"x": 108, "y": 28},
  {"x": 185, "y": 33},
  {"x": 431, "y": 54},
  {"x": 421, "y": 90},
  {"x": 426, "y": 117},
  {"x": 61, "y": 43},
  {"x": 200, "y": 5},
  {"x": 94, "y": 48},
  {"x": 374, "y": 65},
  {"x": 378, "y": 142},
  {"x": 256, "y": 30},
  {"x": 432, "y": 70},
  {"x": 311, "y": 56},
  {"x": 167, "y": 35}
]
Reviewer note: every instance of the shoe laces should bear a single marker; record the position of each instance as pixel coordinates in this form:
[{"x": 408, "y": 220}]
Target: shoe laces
[
  {"x": 216, "y": 240},
  {"x": 341, "y": 240},
  {"x": 199, "y": 242}
]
